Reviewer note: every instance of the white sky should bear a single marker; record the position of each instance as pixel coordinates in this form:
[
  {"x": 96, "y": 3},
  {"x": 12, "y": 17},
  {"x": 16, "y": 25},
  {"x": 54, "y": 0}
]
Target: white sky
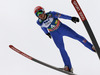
[{"x": 18, "y": 27}]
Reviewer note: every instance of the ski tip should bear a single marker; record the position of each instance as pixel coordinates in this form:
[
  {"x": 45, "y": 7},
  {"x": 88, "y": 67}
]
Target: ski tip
[
  {"x": 10, "y": 46},
  {"x": 72, "y": 0}
]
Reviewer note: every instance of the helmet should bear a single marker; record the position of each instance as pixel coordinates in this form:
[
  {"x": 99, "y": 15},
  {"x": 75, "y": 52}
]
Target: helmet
[{"x": 38, "y": 8}]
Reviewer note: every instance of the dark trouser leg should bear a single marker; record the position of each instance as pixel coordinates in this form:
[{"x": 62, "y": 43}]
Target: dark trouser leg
[
  {"x": 59, "y": 43},
  {"x": 71, "y": 33}
]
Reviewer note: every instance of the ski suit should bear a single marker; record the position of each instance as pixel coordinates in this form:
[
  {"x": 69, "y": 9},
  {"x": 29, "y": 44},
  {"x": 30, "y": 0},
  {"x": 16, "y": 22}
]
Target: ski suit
[{"x": 57, "y": 30}]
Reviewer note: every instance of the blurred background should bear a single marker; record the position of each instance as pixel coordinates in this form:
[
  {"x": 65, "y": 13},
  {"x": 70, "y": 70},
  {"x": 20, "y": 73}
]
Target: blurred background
[{"x": 18, "y": 27}]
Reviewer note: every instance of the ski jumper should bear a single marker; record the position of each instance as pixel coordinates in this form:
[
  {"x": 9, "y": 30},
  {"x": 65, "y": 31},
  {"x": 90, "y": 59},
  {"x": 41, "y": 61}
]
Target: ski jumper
[{"x": 57, "y": 30}]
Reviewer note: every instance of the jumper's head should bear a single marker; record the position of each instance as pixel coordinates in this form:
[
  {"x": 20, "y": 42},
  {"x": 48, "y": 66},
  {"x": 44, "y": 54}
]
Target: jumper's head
[{"x": 39, "y": 12}]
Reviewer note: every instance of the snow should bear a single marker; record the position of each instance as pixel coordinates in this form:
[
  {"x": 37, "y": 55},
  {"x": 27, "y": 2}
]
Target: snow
[{"x": 18, "y": 27}]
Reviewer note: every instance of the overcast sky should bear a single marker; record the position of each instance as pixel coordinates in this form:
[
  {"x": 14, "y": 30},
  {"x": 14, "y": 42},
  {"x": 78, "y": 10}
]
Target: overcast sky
[{"x": 18, "y": 27}]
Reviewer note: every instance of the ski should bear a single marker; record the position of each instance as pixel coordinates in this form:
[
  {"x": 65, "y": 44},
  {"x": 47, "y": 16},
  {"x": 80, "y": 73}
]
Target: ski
[
  {"x": 87, "y": 26},
  {"x": 38, "y": 61}
]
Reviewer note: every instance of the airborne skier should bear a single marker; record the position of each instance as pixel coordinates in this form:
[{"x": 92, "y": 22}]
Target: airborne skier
[{"x": 54, "y": 28}]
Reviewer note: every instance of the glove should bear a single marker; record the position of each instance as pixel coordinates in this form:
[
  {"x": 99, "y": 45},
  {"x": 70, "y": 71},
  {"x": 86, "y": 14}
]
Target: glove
[
  {"x": 75, "y": 19},
  {"x": 48, "y": 34}
]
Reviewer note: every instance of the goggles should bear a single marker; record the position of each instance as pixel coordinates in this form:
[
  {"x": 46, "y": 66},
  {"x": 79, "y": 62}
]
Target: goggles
[{"x": 39, "y": 12}]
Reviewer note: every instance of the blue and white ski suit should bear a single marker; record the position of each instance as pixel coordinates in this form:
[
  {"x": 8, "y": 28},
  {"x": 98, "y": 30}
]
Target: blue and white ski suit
[{"x": 57, "y": 30}]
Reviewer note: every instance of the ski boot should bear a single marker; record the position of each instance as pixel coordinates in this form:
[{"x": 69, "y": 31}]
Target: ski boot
[
  {"x": 93, "y": 48},
  {"x": 66, "y": 68}
]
